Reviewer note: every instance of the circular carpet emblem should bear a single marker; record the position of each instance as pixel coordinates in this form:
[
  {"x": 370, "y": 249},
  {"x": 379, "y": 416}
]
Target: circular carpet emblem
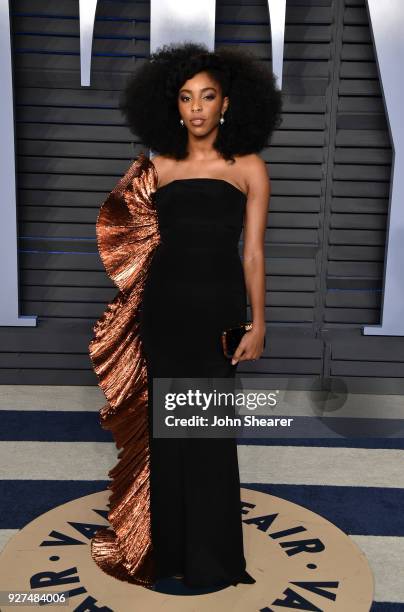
[{"x": 300, "y": 561}]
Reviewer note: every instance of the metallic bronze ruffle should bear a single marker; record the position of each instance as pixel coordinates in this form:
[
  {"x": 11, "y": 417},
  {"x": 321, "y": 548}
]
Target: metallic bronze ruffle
[{"x": 127, "y": 235}]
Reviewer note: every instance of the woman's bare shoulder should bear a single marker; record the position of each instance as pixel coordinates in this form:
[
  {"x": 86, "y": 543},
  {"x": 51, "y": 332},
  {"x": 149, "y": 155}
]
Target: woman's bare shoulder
[
  {"x": 251, "y": 162},
  {"x": 163, "y": 165},
  {"x": 253, "y": 169}
]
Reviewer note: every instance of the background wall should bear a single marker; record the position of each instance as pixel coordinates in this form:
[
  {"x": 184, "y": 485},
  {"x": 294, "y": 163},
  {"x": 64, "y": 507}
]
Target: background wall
[{"x": 329, "y": 164}]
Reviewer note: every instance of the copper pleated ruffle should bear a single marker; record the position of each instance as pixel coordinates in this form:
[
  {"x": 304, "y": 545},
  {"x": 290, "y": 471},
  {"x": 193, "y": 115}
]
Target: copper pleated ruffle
[{"x": 127, "y": 235}]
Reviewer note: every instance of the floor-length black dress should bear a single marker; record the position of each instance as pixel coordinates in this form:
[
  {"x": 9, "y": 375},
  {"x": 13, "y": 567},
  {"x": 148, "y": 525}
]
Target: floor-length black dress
[{"x": 195, "y": 288}]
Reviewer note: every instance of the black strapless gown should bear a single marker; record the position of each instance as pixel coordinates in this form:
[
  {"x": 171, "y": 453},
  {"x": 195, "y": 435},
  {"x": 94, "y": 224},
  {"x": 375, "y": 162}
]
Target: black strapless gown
[{"x": 195, "y": 288}]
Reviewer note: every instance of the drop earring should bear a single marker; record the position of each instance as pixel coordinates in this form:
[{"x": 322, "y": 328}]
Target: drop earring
[
  {"x": 222, "y": 120},
  {"x": 182, "y": 122}
]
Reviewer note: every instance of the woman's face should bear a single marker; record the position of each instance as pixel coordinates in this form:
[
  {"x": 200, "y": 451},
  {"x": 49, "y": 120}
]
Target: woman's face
[{"x": 200, "y": 98}]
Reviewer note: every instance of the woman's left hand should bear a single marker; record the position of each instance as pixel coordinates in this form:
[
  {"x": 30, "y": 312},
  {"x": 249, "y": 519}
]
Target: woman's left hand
[{"x": 251, "y": 346}]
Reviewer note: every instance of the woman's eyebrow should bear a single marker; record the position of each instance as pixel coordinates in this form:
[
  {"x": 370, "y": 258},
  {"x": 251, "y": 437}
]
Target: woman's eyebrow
[{"x": 203, "y": 89}]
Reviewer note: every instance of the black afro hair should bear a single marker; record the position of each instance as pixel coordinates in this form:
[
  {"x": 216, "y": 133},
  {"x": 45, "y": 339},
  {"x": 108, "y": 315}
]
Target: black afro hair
[{"x": 149, "y": 100}]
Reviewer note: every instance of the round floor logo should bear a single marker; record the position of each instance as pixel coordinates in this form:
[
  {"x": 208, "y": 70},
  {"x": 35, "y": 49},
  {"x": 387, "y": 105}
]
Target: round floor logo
[{"x": 300, "y": 561}]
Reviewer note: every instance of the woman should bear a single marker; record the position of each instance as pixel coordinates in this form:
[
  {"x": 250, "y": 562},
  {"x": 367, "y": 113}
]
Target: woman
[{"x": 168, "y": 236}]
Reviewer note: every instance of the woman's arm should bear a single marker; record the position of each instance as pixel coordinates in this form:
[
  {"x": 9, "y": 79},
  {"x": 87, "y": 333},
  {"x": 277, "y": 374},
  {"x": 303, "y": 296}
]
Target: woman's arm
[{"x": 259, "y": 190}]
